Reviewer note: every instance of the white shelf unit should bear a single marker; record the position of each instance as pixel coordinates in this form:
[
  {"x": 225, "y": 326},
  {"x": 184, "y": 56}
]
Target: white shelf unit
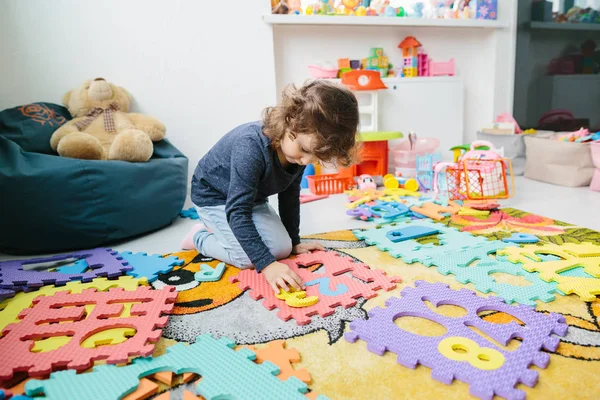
[
  {"x": 451, "y": 109},
  {"x": 278, "y": 19}
]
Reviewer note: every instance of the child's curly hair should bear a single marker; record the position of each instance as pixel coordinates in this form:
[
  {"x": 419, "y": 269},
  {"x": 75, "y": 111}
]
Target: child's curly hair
[{"x": 324, "y": 109}]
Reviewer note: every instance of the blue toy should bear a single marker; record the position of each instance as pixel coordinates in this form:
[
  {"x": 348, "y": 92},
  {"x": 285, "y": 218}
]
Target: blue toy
[
  {"x": 209, "y": 274},
  {"x": 324, "y": 287},
  {"x": 410, "y": 232},
  {"x": 150, "y": 266},
  {"x": 78, "y": 267},
  {"x": 418, "y": 10},
  {"x": 521, "y": 238},
  {"x": 308, "y": 171},
  {"x": 189, "y": 213}
]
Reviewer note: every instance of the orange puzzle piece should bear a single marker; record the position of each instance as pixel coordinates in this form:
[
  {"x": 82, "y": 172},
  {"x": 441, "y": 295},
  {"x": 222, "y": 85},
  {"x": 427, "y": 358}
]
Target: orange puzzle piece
[
  {"x": 276, "y": 353},
  {"x": 434, "y": 211}
]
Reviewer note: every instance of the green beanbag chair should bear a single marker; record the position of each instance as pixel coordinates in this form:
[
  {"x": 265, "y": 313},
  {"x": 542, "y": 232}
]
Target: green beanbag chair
[{"x": 51, "y": 204}]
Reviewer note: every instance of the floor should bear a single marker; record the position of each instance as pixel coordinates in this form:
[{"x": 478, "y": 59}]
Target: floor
[{"x": 572, "y": 205}]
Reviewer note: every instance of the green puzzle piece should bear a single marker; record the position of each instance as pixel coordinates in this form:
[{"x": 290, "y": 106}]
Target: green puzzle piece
[
  {"x": 226, "y": 374},
  {"x": 450, "y": 240}
]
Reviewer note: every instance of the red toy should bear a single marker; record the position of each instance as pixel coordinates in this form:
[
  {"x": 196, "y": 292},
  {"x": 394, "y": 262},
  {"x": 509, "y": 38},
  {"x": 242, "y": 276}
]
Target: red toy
[{"x": 40, "y": 322}]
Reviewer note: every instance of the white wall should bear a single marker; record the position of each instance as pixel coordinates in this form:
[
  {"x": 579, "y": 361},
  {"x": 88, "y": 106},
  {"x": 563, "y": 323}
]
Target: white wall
[{"x": 200, "y": 67}]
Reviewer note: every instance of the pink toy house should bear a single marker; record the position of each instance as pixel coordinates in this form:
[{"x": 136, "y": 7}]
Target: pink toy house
[{"x": 410, "y": 53}]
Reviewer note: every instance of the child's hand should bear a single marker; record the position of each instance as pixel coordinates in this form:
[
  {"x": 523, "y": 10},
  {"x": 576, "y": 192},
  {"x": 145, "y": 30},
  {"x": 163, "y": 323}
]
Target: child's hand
[
  {"x": 280, "y": 275},
  {"x": 306, "y": 248}
]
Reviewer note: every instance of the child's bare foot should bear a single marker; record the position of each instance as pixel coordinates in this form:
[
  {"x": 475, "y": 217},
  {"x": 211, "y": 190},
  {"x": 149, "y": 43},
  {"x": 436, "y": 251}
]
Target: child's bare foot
[{"x": 188, "y": 241}]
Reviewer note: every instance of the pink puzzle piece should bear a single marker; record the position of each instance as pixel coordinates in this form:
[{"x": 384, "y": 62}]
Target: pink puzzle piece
[
  {"x": 331, "y": 284},
  {"x": 41, "y": 322}
]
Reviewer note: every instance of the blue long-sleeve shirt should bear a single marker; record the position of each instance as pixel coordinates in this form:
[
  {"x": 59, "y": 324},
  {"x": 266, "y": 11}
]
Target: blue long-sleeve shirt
[{"x": 241, "y": 171}]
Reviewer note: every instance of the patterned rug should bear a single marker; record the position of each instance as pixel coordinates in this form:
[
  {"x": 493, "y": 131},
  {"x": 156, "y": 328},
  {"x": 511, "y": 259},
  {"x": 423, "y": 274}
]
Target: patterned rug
[{"x": 344, "y": 370}]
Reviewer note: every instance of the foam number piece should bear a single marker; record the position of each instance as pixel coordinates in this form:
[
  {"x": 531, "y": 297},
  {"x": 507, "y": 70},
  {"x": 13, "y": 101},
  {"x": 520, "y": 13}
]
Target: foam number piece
[
  {"x": 209, "y": 274},
  {"x": 481, "y": 275},
  {"x": 336, "y": 268},
  {"x": 69, "y": 309},
  {"x": 10, "y": 308},
  {"x": 462, "y": 349},
  {"x": 410, "y": 232},
  {"x": 381, "y": 334},
  {"x": 101, "y": 261},
  {"x": 277, "y": 353},
  {"x": 450, "y": 240},
  {"x": 150, "y": 266},
  {"x": 521, "y": 238},
  {"x": 190, "y": 213},
  {"x": 297, "y": 298},
  {"x": 78, "y": 267},
  {"x": 226, "y": 373},
  {"x": 323, "y": 285},
  {"x": 559, "y": 271}
]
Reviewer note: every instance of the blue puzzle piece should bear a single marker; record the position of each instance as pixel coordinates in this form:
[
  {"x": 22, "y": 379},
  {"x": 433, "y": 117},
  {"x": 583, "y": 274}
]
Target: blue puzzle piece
[
  {"x": 521, "y": 238},
  {"x": 209, "y": 274},
  {"x": 451, "y": 240},
  {"x": 385, "y": 211},
  {"x": 481, "y": 275},
  {"x": 78, "y": 267},
  {"x": 226, "y": 374},
  {"x": 411, "y": 232},
  {"x": 324, "y": 287},
  {"x": 189, "y": 213},
  {"x": 150, "y": 266}
]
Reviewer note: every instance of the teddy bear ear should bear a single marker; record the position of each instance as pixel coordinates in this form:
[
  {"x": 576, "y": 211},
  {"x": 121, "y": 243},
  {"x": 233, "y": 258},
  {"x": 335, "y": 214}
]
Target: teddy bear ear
[{"x": 66, "y": 98}]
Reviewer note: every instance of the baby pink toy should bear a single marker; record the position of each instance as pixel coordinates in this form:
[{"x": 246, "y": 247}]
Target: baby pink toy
[
  {"x": 366, "y": 182},
  {"x": 442, "y": 68},
  {"x": 319, "y": 72},
  {"x": 507, "y": 117},
  {"x": 595, "y": 185}
]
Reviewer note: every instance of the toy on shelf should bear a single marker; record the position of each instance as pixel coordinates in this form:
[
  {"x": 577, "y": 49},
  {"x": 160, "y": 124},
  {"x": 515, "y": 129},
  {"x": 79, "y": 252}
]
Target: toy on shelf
[
  {"x": 416, "y": 62},
  {"x": 323, "y": 71},
  {"x": 478, "y": 175}
]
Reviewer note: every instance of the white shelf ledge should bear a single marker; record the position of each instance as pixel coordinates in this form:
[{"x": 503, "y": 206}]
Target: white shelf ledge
[
  {"x": 279, "y": 19},
  {"x": 417, "y": 79},
  {"x": 565, "y": 26}
]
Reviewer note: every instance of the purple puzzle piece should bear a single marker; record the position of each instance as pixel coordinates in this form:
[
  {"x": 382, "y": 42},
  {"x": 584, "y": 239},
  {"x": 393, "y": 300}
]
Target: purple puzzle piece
[
  {"x": 381, "y": 334},
  {"x": 103, "y": 262}
]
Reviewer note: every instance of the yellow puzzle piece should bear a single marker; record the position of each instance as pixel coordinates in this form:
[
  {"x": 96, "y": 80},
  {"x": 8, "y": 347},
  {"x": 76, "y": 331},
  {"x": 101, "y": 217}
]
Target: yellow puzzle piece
[
  {"x": 11, "y": 308},
  {"x": 297, "y": 298},
  {"x": 585, "y": 287}
]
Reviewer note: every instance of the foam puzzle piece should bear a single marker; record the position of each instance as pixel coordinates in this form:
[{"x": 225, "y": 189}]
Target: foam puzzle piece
[
  {"x": 473, "y": 212},
  {"x": 586, "y": 287},
  {"x": 323, "y": 285},
  {"x": 409, "y": 233},
  {"x": 190, "y": 213},
  {"x": 297, "y": 298},
  {"x": 78, "y": 267},
  {"x": 145, "y": 389},
  {"x": 307, "y": 198},
  {"x": 277, "y": 353},
  {"x": 103, "y": 262},
  {"x": 450, "y": 240},
  {"x": 381, "y": 334},
  {"x": 150, "y": 266},
  {"x": 226, "y": 373},
  {"x": 11, "y": 308},
  {"x": 69, "y": 309},
  {"x": 435, "y": 211},
  {"x": 521, "y": 238},
  {"x": 481, "y": 276},
  {"x": 367, "y": 283},
  {"x": 209, "y": 274}
]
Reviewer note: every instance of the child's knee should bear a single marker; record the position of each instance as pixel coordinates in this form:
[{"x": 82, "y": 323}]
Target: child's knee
[
  {"x": 242, "y": 262},
  {"x": 282, "y": 248}
]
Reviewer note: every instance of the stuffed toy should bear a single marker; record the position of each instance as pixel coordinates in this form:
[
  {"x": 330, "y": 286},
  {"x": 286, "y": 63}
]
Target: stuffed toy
[{"x": 102, "y": 128}]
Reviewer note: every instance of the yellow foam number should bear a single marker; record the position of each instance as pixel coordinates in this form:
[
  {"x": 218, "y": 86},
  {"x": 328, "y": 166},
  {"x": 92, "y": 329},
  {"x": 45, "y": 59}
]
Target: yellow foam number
[
  {"x": 459, "y": 348},
  {"x": 297, "y": 298}
]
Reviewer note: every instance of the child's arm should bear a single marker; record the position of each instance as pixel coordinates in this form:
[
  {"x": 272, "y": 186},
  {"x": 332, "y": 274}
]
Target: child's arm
[
  {"x": 289, "y": 212},
  {"x": 247, "y": 168}
]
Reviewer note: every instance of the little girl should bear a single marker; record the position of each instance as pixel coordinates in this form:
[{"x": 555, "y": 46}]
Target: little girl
[{"x": 315, "y": 123}]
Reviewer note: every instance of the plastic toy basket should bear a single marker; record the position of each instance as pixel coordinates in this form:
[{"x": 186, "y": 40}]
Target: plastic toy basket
[
  {"x": 480, "y": 179},
  {"x": 329, "y": 183}
]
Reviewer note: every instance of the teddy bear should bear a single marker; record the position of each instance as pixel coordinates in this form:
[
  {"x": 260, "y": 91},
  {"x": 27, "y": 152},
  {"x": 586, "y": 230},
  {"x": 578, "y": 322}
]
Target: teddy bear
[{"x": 102, "y": 127}]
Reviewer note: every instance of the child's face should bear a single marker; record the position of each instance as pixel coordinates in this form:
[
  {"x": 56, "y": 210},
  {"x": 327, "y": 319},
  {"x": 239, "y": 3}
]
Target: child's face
[{"x": 298, "y": 150}]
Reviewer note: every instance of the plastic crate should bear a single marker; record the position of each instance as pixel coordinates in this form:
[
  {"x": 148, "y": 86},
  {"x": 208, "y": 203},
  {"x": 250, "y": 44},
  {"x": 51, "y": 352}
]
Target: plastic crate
[{"x": 329, "y": 183}]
